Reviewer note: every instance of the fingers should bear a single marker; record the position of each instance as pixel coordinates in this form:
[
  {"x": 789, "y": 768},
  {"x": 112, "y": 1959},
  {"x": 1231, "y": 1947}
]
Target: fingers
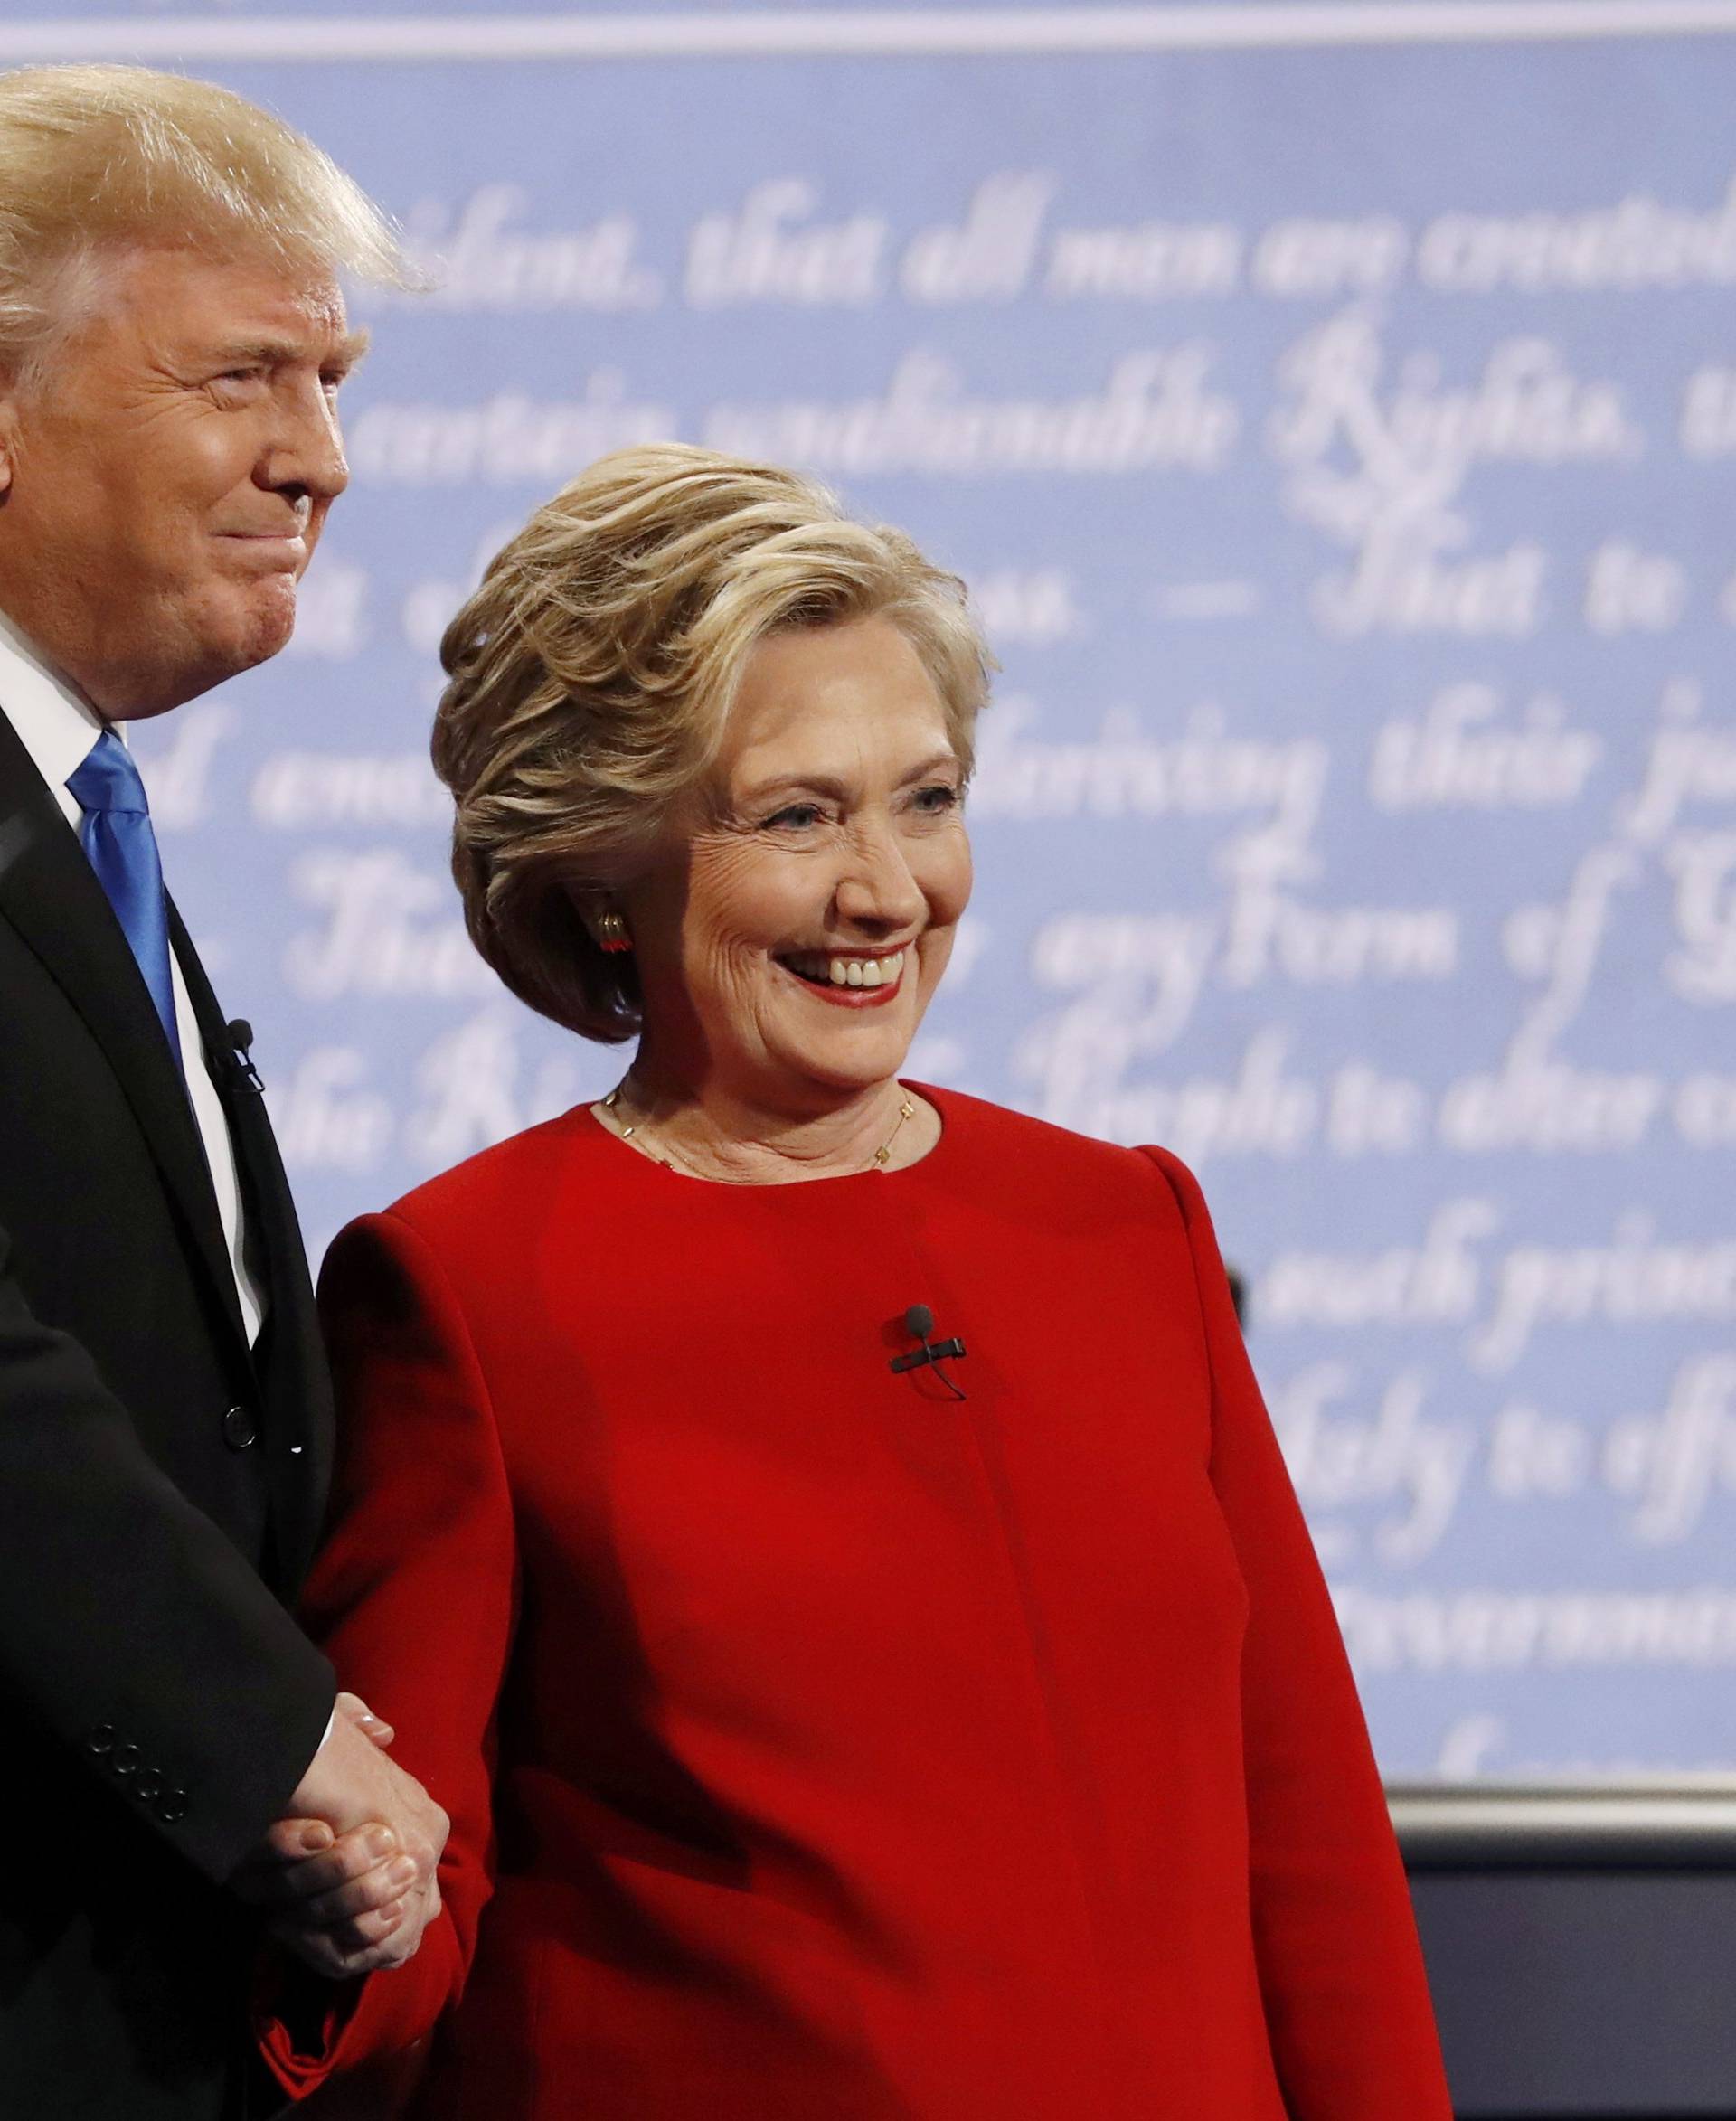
[
  {"x": 376, "y": 1728},
  {"x": 292, "y": 1841},
  {"x": 369, "y": 1943},
  {"x": 341, "y": 1955},
  {"x": 361, "y": 1872},
  {"x": 378, "y": 1890},
  {"x": 282, "y": 1873}
]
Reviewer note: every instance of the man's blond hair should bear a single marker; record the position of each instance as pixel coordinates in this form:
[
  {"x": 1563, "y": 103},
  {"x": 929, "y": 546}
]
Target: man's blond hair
[{"x": 95, "y": 160}]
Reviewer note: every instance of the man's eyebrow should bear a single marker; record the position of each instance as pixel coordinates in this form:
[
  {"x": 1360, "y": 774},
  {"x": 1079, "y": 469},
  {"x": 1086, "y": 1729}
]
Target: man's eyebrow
[{"x": 272, "y": 352}]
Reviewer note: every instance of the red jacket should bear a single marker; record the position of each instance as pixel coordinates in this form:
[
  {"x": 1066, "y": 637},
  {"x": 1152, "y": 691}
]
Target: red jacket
[{"x": 819, "y": 1745}]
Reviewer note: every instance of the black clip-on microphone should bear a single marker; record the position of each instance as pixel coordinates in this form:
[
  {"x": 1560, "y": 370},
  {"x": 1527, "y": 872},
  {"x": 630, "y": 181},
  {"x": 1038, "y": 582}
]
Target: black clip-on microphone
[
  {"x": 240, "y": 1035},
  {"x": 920, "y": 1320}
]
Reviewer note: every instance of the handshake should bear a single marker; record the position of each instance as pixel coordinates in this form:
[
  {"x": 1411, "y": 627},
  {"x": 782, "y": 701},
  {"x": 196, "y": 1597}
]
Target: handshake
[{"x": 348, "y": 1875}]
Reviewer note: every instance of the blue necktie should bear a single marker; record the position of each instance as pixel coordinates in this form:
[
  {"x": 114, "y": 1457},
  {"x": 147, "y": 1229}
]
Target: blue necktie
[{"x": 118, "y": 837}]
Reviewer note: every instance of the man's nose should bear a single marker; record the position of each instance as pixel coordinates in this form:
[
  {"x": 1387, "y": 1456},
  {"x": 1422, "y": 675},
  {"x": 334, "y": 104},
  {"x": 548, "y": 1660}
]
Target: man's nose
[{"x": 305, "y": 455}]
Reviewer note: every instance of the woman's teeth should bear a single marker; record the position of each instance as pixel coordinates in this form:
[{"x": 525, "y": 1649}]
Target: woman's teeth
[{"x": 846, "y": 972}]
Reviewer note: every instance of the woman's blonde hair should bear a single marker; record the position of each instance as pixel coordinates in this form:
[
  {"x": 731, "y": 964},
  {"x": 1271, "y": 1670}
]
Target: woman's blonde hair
[
  {"x": 98, "y": 158},
  {"x": 591, "y": 673}
]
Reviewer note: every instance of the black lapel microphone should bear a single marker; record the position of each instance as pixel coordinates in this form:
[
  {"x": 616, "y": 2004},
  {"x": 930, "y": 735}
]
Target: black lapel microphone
[
  {"x": 240, "y": 1036},
  {"x": 918, "y": 1321}
]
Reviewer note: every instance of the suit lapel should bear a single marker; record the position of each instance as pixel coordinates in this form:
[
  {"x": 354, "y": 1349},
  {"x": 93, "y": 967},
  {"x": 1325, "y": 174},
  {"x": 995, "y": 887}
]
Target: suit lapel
[
  {"x": 291, "y": 1359},
  {"x": 50, "y": 895}
]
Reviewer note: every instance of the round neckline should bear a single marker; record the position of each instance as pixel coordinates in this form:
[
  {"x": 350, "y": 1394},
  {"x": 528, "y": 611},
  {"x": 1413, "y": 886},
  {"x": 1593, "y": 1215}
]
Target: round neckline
[{"x": 937, "y": 1098}]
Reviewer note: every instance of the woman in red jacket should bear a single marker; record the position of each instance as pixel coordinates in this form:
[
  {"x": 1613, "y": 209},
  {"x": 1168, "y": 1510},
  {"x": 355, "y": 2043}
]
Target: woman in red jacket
[{"x": 828, "y": 1734}]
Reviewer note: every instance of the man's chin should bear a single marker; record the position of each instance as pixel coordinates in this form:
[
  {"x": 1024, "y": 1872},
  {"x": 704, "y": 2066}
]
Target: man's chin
[
  {"x": 274, "y": 618},
  {"x": 261, "y": 628},
  {"x": 214, "y": 648}
]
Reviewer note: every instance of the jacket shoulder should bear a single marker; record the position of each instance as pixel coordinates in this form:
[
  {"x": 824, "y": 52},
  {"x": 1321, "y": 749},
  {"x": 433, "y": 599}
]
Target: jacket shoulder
[
  {"x": 507, "y": 1180},
  {"x": 1041, "y": 1157}
]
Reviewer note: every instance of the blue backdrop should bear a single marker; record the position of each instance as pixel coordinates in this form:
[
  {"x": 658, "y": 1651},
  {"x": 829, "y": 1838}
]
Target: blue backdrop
[{"x": 1334, "y": 409}]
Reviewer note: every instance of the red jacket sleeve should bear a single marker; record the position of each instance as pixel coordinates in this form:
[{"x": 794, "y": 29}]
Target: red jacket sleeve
[
  {"x": 1341, "y": 1972},
  {"x": 414, "y": 1599}
]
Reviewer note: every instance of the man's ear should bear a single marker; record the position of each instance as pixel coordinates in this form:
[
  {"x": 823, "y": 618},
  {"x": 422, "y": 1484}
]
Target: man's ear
[{"x": 8, "y": 432}]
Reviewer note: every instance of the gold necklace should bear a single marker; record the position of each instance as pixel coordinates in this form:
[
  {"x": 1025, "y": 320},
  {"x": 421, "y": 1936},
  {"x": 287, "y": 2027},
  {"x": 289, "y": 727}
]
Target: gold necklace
[{"x": 635, "y": 1131}]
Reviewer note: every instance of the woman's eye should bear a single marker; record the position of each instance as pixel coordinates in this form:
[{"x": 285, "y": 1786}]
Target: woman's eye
[
  {"x": 937, "y": 800},
  {"x": 797, "y": 817}
]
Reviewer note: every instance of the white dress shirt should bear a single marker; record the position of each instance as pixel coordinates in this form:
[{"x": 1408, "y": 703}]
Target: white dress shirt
[{"x": 57, "y": 727}]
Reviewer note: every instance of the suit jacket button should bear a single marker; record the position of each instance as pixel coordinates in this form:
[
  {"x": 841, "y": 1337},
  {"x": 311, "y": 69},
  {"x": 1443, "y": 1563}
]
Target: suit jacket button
[
  {"x": 124, "y": 1760},
  {"x": 148, "y": 1785},
  {"x": 240, "y": 1429},
  {"x": 101, "y": 1740},
  {"x": 172, "y": 1806}
]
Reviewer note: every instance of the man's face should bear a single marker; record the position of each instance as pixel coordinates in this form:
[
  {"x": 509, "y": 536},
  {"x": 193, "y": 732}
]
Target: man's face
[{"x": 163, "y": 484}]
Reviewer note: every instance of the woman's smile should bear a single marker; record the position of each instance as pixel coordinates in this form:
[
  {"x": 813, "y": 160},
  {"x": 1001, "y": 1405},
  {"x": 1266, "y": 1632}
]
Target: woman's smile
[{"x": 853, "y": 979}]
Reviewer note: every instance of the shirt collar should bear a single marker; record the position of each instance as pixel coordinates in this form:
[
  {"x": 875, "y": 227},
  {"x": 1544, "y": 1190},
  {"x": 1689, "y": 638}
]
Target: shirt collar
[{"x": 54, "y": 723}]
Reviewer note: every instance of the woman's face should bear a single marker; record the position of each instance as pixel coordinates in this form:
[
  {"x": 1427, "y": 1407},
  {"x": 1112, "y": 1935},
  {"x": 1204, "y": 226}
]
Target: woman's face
[{"x": 791, "y": 931}]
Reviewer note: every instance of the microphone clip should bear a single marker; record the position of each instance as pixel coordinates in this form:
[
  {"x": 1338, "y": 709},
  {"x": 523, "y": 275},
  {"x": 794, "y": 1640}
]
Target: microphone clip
[
  {"x": 920, "y": 1320},
  {"x": 240, "y": 1036}
]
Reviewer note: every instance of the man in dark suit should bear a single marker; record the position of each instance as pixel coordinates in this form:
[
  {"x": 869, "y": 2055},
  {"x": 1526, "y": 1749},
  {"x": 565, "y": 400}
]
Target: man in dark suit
[{"x": 172, "y": 341}]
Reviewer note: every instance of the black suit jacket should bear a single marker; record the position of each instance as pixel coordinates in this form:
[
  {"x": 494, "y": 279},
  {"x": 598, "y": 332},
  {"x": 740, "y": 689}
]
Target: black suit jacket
[{"x": 159, "y": 1706}]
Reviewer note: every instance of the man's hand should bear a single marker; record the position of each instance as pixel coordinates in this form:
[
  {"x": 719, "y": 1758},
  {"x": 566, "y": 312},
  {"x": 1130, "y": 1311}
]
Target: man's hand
[{"x": 349, "y": 1873}]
